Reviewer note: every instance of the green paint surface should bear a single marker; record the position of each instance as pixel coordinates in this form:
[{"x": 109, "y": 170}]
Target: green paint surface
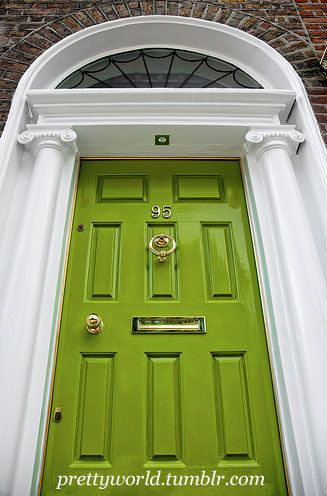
[{"x": 174, "y": 403}]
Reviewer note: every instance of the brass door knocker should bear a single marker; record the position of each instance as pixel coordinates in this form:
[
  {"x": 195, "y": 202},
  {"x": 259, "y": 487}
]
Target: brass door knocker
[{"x": 161, "y": 240}]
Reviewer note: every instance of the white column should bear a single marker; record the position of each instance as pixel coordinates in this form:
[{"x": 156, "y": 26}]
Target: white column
[
  {"x": 298, "y": 286},
  {"x": 19, "y": 322}
]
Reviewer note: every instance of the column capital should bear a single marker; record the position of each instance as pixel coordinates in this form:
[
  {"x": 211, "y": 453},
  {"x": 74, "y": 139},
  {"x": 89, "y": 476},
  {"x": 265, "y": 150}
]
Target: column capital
[
  {"x": 259, "y": 140},
  {"x": 63, "y": 140}
]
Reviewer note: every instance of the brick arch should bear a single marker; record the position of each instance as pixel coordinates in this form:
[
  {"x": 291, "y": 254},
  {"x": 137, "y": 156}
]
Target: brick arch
[
  {"x": 294, "y": 45},
  {"x": 287, "y": 42}
]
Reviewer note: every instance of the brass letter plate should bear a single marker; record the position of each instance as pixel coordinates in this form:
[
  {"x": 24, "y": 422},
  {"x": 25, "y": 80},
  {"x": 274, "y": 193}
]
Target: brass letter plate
[{"x": 172, "y": 325}]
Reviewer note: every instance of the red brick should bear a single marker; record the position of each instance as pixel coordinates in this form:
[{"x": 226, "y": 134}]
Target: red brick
[
  {"x": 110, "y": 12},
  {"x": 198, "y": 10},
  {"x": 47, "y": 33},
  {"x": 84, "y": 19},
  {"x": 320, "y": 109},
  {"x": 6, "y": 93},
  {"x": 72, "y": 23},
  {"x": 13, "y": 64},
  {"x": 6, "y": 84},
  {"x": 122, "y": 10},
  {"x": 160, "y": 7},
  {"x": 172, "y": 8},
  {"x": 185, "y": 9},
  {"x": 318, "y": 102},
  {"x": 321, "y": 118},
  {"x": 135, "y": 8},
  {"x": 97, "y": 15}
]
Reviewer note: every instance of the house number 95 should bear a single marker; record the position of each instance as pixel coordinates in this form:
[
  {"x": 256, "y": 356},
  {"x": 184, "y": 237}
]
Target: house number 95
[{"x": 156, "y": 211}]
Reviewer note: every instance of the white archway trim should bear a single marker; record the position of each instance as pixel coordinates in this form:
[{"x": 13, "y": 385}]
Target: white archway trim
[
  {"x": 250, "y": 54},
  {"x": 285, "y": 272},
  {"x": 254, "y": 56}
]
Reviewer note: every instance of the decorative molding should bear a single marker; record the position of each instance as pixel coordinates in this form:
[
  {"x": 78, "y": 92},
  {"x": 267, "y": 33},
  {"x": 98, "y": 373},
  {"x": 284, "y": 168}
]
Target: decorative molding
[
  {"x": 21, "y": 462},
  {"x": 63, "y": 140},
  {"x": 259, "y": 140},
  {"x": 261, "y": 107}
]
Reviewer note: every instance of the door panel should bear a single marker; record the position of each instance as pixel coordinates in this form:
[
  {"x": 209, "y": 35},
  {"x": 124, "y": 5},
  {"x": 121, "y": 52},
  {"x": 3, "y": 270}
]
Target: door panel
[
  {"x": 219, "y": 261},
  {"x": 234, "y": 415},
  {"x": 94, "y": 411},
  {"x": 176, "y": 402},
  {"x": 164, "y": 408},
  {"x": 104, "y": 261},
  {"x": 162, "y": 279}
]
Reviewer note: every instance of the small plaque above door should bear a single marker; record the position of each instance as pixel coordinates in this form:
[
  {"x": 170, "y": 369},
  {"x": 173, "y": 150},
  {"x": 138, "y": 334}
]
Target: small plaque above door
[{"x": 170, "y": 325}]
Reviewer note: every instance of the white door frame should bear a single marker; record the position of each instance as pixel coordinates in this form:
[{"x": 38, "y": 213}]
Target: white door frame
[{"x": 284, "y": 191}]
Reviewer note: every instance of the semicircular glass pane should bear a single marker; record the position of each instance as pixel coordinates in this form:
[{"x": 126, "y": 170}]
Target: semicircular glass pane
[{"x": 159, "y": 68}]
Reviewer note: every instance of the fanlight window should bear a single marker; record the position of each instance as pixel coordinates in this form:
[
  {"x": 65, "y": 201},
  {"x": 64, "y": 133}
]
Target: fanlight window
[{"x": 159, "y": 68}]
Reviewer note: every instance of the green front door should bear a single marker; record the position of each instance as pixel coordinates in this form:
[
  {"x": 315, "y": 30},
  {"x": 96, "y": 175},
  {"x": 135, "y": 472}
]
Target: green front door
[{"x": 167, "y": 404}]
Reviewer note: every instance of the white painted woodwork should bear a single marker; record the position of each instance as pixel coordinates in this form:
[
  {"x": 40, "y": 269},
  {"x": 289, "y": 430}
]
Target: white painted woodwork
[
  {"x": 304, "y": 292},
  {"x": 24, "y": 287},
  {"x": 286, "y": 196}
]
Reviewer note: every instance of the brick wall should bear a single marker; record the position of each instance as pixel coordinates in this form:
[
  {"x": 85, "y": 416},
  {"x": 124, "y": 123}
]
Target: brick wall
[
  {"x": 314, "y": 17},
  {"x": 295, "y": 28}
]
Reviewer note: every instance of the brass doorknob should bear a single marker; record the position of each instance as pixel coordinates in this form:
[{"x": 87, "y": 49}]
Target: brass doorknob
[
  {"x": 162, "y": 240},
  {"x": 94, "y": 323}
]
